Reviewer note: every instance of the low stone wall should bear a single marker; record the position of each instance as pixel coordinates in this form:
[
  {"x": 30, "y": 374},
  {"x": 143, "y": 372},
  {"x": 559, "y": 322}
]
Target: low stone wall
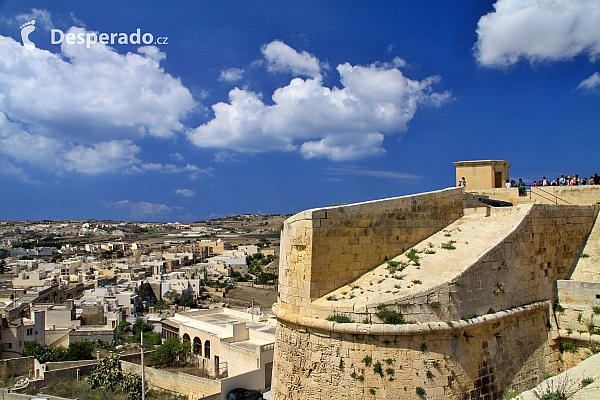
[
  {"x": 192, "y": 386},
  {"x": 54, "y": 366},
  {"x": 70, "y": 372},
  {"x": 16, "y": 367},
  {"x": 589, "y": 194}
]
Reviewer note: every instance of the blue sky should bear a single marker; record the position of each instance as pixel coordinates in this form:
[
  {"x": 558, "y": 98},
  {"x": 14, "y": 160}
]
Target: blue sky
[{"x": 280, "y": 106}]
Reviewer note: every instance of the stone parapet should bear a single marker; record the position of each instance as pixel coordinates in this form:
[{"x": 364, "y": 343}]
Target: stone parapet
[
  {"x": 589, "y": 194},
  {"x": 430, "y": 328}
]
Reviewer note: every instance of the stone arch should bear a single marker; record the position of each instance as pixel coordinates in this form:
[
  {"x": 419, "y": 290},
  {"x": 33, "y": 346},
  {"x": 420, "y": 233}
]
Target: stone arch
[
  {"x": 197, "y": 346},
  {"x": 207, "y": 349}
]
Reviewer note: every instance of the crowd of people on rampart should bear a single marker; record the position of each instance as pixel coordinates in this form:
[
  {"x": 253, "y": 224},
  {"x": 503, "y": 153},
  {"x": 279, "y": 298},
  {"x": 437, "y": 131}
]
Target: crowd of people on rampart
[{"x": 573, "y": 180}]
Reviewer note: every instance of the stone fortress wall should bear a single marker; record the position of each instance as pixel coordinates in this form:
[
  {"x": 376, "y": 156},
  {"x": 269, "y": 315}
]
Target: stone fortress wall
[
  {"x": 476, "y": 297},
  {"x": 323, "y": 249}
]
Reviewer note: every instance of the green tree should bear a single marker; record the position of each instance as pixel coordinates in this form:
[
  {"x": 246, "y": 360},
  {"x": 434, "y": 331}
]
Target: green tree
[
  {"x": 122, "y": 329},
  {"x": 79, "y": 351},
  {"x": 263, "y": 242},
  {"x": 140, "y": 326},
  {"x": 172, "y": 296},
  {"x": 266, "y": 277},
  {"x": 152, "y": 337},
  {"x": 3, "y": 255},
  {"x": 43, "y": 354},
  {"x": 172, "y": 349}
]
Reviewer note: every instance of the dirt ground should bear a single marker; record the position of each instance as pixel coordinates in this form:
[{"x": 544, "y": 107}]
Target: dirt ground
[{"x": 241, "y": 296}]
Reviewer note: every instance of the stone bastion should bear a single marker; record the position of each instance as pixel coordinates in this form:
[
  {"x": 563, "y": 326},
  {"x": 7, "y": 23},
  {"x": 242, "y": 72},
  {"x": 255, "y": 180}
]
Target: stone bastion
[{"x": 424, "y": 296}]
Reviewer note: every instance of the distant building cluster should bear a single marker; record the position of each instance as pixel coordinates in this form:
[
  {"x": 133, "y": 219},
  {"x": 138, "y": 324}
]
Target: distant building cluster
[{"x": 56, "y": 289}]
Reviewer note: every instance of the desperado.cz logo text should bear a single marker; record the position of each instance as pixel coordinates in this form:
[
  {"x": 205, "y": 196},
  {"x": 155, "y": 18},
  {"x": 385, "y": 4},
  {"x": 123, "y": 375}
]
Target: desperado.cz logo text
[{"x": 89, "y": 38}]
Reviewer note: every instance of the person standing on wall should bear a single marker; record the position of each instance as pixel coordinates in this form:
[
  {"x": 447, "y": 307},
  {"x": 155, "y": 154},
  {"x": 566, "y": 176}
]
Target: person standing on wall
[{"x": 522, "y": 188}]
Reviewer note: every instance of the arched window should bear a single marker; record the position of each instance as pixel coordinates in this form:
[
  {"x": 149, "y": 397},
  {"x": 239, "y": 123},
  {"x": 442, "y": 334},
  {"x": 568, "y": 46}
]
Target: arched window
[
  {"x": 197, "y": 347},
  {"x": 186, "y": 337},
  {"x": 207, "y": 349}
]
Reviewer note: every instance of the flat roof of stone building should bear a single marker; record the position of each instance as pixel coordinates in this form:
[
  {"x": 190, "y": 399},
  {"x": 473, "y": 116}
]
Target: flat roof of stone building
[{"x": 215, "y": 322}]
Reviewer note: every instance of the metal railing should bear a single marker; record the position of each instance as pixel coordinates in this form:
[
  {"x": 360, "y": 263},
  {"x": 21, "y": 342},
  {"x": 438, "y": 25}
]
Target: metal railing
[{"x": 552, "y": 197}]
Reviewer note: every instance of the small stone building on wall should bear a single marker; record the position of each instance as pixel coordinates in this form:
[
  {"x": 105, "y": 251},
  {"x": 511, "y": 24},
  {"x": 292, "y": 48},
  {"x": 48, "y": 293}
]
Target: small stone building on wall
[{"x": 483, "y": 174}]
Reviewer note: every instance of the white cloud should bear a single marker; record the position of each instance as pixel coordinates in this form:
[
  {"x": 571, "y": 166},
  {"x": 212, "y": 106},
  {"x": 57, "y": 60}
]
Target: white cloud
[
  {"x": 194, "y": 171},
  {"x": 77, "y": 20},
  {"x": 382, "y": 174},
  {"x": 591, "y": 83},
  {"x": 59, "y": 156},
  {"x": 42, "y": 18},
  {"x": 399, "y": 62},
  {"x": 224, "y": 156},
  {"x": 177, "y": 156},
  {"x": 97, "y": 93},
  {"x": 101, "y": 157},
  {"x": 231, "y": 74},
  {"x": 104, "y": 157},
  {"x": 15, "y": 172},
  {"x": 141, "y": 211},
  {"x": 282, "y": 58},
  {"x": 185, "y": 192},
  {"x": 339, "y": 124},
  {"x": 81, "y": 110},
  {"x": 538, "y": 30},
  {"x": 346, "y": 147}
]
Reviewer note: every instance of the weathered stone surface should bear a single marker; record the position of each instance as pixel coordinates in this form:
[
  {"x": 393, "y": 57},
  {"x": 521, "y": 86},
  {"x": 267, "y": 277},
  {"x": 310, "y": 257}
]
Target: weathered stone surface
[{"x": 481, "y": 311}]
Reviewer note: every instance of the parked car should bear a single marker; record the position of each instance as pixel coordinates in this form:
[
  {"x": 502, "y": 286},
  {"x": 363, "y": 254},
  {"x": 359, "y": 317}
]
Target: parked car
[{"x": 245, "y": 394}]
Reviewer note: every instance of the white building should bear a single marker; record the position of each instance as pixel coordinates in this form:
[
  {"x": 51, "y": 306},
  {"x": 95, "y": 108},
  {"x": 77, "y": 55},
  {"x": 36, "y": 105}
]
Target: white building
[{"x": 227, "y": 342}]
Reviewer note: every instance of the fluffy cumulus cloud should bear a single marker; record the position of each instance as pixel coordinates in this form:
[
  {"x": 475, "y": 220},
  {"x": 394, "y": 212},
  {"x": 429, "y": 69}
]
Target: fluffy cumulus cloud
[
  {"x": 282, "y": 58},
  {"x": 101, "y": 157},
  {"x": 538, "y": 30},
  {"x": 81, "y": 110},
  {"x": 592, "y": 83},
  {"x": 337, "y": 123}
]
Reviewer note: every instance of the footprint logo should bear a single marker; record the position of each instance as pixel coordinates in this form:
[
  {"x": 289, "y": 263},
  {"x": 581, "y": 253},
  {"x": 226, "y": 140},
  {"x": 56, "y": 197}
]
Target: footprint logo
[{"x": 26, "y": 29}]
